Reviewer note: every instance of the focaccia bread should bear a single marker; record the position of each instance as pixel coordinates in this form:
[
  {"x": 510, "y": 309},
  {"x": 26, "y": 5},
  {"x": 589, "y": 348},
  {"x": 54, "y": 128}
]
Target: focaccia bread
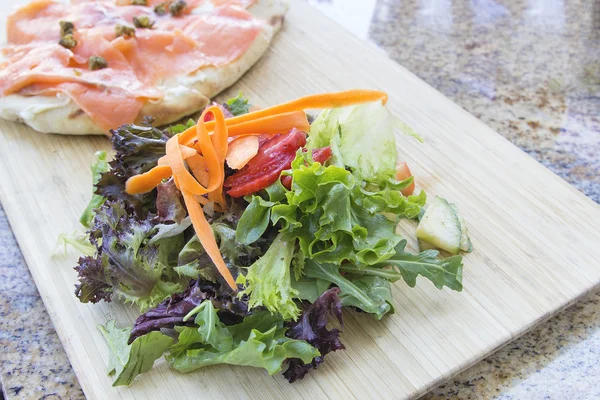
[{"x": 167, "y": 71}]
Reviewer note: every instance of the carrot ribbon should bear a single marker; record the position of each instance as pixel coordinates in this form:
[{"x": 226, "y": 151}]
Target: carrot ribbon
[{"x": 203, "y": 149}]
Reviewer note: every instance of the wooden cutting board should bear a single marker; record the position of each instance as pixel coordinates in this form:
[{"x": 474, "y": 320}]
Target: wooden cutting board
[{"x": 536, "y": 239}]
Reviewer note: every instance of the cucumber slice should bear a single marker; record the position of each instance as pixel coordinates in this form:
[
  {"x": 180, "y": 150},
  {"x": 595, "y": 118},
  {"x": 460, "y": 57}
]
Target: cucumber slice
[
  {"x": 440, "y": 226},
  {"x": 465, "y": 241},
  {"x": 425, "y": 246}
]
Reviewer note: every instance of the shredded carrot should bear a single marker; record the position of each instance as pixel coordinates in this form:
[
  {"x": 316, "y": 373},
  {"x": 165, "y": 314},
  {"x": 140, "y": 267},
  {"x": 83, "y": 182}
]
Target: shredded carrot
[
  {"x": 324, "y": 100},
  {"x": 184, "y": 177},
  {"x": 147, "y": 181},
  {"x": 186, "y": 151},
  {"x": 220, "y": 141},
  {"x": 207, "y": 237},
  {"x": 270, "y": 125},
  {"x": 203, "y": 149},
  {"x": 214, "y": 149},
  {"x": 242, "y": 150},
  {"x": 199, "y": 169}
]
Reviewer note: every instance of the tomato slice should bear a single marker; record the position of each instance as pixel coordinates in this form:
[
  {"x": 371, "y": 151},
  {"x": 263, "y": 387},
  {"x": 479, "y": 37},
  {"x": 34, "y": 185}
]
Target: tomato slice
[
  {"x": 319, "y": 155},
  {"x": 403, "y": 172},
  {"x": 274, "y": 156}
]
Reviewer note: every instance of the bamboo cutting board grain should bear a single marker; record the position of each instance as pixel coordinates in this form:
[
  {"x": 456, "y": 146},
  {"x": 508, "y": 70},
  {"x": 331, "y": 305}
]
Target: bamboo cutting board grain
[{"x": 536, "y": 240}]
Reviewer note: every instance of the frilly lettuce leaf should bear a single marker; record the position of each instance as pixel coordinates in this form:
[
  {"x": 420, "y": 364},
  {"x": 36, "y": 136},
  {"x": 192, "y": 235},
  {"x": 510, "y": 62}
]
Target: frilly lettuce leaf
[
  {"x": 127, "y": 361},
  {"x": 169, "y": 202},
  {"x": 335, "y": 216},
  {"x": 268, "y": 281},
  {"x": 99, "y": 166},
  {"x": 137, "y": 150},
  {"x": 126, "y": 264}
]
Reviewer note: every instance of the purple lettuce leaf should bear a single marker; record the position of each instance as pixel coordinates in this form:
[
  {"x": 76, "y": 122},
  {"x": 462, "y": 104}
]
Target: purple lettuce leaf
[
  {"x": 311, "y": 326},
  {"x": 126, "y": 263},
  {"x": 170, "y": 313},
  {"x": 169, "y": 205}
]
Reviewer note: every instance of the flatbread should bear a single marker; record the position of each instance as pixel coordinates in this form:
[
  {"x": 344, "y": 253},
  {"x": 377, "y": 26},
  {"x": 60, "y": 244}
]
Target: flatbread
[{"x": 183, "y": 95}]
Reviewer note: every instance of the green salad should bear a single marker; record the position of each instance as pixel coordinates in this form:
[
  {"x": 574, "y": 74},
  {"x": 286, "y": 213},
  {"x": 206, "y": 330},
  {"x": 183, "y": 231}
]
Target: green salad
[{"x": 240, "y": 238}]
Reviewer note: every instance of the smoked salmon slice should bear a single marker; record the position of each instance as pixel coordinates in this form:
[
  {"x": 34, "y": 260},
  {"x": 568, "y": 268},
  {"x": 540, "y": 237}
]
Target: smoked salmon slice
[{"x": 36, "y": 64}]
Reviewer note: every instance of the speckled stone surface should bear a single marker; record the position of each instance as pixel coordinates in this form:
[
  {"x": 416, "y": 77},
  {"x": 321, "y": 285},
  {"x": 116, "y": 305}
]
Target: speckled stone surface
[
  {"x": 33, "y": 364},
  {"x": 530, "y": 70}
]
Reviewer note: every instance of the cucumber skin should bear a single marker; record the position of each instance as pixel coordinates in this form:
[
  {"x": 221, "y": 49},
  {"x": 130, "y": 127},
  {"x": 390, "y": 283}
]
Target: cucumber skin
[{"x": 425, "y": 235}]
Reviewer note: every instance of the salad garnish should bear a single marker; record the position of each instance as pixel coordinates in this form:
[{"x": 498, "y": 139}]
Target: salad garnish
[{"x": 242, "y": 236}]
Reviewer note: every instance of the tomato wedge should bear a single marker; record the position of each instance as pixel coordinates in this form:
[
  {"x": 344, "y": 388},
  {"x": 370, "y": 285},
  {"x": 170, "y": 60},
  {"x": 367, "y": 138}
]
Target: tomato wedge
[
  {"x": 319, "y": 155},
  {"x": 403, "y": 172},
  {"x": 274, "y": 156}
]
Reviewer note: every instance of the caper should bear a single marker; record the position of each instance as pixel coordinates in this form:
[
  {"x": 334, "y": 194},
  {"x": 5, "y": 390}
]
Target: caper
[
  {"x": 97, "y": 62},
  {"x": 124, "y": 30},
  {"x": 68, "y": 41},
  {"x": 143, "y": 22},
  {"x": 177, "y": 7}
]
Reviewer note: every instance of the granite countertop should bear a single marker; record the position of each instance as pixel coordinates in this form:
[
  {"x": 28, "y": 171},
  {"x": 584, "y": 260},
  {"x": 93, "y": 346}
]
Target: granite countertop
[{"x": 531, "y": 71}]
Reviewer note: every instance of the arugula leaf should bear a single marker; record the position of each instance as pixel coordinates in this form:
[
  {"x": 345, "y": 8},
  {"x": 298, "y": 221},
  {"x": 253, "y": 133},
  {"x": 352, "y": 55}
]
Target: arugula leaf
[
  {"x": 238, "y": 105},
  {"x": 127, "y": 361},
  {"x": 261, "y": 320},
  {"x": 172, "y": 312},
  {"x": 442, "y": 272},
  {"x": 210, "y": 328},
  {"x": 370, "y": 295},
  {"x": 99, "y": 166},
  {"x": 268, "y": 281},
  {"x": 265, "y": 350}
]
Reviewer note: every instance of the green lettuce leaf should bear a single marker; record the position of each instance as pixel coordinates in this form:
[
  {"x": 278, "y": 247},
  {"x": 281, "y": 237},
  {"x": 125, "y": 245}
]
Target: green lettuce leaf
[
  {"x": 254, "y": 220},
  {"x": 127, "y": 361},
  {"x": 211, "y": 330},
  {"x": 176, "y": 129},
  {"x": 362, "y": 138},
  {"x": 334, "y": 216},
  {"x": 126, "y": 264},
  {"x": 238, "y": 105},
  {"x": 78, "y": 240},
  {"x": 99, "y": 166},
  {"x": 259, "y": 341},
  {"x": 310, "y": 288},
  {"x": 194, "y": 262},
  {"x": 268, "y": 281}
]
